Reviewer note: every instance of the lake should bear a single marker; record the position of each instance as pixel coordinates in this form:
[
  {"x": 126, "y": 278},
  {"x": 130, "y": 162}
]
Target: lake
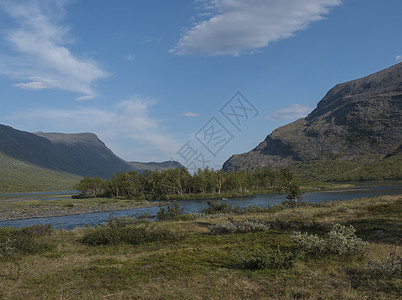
[{"x": 189, "y": 206}]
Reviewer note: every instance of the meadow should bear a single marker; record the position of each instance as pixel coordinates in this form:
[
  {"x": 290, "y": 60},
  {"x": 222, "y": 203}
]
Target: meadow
[{"x": 283, "y": 252}]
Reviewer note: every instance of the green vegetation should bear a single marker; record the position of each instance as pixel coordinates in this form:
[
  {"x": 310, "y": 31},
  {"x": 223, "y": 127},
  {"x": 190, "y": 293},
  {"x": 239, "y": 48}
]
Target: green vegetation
[
  {"x": 249, "y": 254},
  {"x": 335, "y": 170},
  {"x": 237, "y": 227},
  {"x": 179, "y": 183},
  {"x": 171, "y": 212},
  {"x": 18, "y": 176},
  {"x": 114, "y": 235},
  {"x": 341, "y": 241}
]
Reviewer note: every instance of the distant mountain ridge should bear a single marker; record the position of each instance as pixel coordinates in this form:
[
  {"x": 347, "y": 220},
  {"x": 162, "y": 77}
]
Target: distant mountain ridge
[
  {"x": 81, "y": 154},
  {"x": 156, "y": 166},
  {"x": 359, "y": 121}
]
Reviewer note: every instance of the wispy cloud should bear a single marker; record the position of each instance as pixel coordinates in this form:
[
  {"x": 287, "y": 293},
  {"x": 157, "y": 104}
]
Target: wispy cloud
[
  {"x": 191, "y": 114},
  {"x": 242, "y": 26},
  {"x": 40, "y": 55},
  {"x": 295, "y": 111},
  {"x": 398, "y": 58},
  {"x": 130, "y": 57},
  {"x": 126, "y": 124}
]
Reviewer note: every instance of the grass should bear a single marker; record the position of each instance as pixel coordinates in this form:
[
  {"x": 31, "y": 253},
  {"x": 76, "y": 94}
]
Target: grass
[
  {"x": 199, "y": 265},
  {"x": 18, "y": 176}
]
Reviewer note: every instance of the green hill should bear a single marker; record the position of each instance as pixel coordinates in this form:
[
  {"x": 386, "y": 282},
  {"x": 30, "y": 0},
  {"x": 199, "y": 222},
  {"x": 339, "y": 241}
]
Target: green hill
[{"x": 19, "y": 176}]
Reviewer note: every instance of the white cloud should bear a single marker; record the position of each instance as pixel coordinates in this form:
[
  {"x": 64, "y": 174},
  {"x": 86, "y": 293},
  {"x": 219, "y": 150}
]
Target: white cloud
[
  {"x": 40, "y": 54},
  {"x": 241, "y": 26},
  {"x": 398, "y": 58},
  {"x": 37, "y": 84},
  {"x": 126, "y": 128},
  {"x": 84, "y": 98},
  {"x": 191, "y": 114},
  {"x": 295, "y": 111}
]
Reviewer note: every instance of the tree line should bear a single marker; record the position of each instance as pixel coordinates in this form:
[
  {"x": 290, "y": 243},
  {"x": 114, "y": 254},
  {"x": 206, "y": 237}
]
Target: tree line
[{"x": 158, "y": 184}]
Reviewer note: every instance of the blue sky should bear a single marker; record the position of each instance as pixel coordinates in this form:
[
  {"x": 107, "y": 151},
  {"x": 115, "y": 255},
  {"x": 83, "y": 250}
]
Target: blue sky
[{"x": 150, "y": 77}]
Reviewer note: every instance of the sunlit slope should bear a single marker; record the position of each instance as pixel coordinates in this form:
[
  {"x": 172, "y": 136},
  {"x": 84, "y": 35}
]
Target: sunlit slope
[{"x": 19, "y": 176}]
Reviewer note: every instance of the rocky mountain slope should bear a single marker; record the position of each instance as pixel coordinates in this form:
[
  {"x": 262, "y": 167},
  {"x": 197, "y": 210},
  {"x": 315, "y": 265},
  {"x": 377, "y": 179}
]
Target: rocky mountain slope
[{"x": 357, "y": 122}]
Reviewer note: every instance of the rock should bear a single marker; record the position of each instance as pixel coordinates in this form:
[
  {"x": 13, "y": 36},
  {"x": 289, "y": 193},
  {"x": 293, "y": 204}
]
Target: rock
[{"x": 359, "y": 121}]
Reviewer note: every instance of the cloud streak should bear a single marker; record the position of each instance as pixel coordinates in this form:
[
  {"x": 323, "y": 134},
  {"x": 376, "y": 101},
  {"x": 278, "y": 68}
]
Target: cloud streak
[
  {"x": 191, "y": 114},
  {"x": 40, "y": 55},
  {"x": 242, "y": 26},
  {"x": 293, "y": 112},
  {"x": 127, "y": 122}
]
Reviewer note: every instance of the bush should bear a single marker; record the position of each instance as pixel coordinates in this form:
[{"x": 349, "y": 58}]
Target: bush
[
  {"x": 341, "y": 241},
  {"x": 123, "y": 221},
  {"x": 237, "y": 227},
  {"x": 390, "y": 267},
  {"x": 172, "y": 212},
  {"x": 8, "y": 252},
  {"x": 266, "y": 260},
  {"x": 36, "y": 230},
  {"x": 254, "y": 209},
  {"x": 143, "y": 233},
  {"x": 7, "y": 249},
  {"x": 27, "y": 240},
  {"x": 217, "y": 208}
]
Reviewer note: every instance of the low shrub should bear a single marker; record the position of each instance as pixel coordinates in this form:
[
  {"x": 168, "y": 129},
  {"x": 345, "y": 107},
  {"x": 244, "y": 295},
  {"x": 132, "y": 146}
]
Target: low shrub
[
  {"x": 218, "y": 208},
  {"x": 341, "y": 241},
  {"x": 28, "y": 240},
  {"x": 8, "y": 252},
  {"x": 254, "y": 209},
  {"x": 36, "y": 230},
  {"x": 237, "y": 227},
  {"x": 7, "y": 249},
  {"x": 30, "y": 245},
  {"x": 390, "y": 267},
  {"x": 143, "y": 233},
  {"x": 171, "y": 212},
  {"x": 266, "y": 260},
  {"x": 122, "y": 221}
]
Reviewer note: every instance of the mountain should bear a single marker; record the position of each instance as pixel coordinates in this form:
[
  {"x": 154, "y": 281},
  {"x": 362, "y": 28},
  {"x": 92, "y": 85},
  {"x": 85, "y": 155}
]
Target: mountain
[
  {"x": 156, "y": 166},
  {"x": 86, "y": 153},
  {"x": 357, "y": 125},
  {"x": 36, "y": 161}
]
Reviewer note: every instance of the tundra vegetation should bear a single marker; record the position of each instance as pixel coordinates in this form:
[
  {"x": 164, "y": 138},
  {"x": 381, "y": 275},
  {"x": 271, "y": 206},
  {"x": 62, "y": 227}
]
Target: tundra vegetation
[{"x": 333, "y": 250}]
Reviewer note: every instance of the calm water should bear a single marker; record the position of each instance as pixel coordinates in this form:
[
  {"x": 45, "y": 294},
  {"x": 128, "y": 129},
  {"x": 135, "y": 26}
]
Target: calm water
[{"x": 68, "y": 222}]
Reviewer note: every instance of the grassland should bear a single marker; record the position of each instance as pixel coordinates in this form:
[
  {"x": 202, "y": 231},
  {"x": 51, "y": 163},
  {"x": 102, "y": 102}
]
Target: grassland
[
  {"x": 190, "y": 263},
  {"x": 18, "y": 176}
]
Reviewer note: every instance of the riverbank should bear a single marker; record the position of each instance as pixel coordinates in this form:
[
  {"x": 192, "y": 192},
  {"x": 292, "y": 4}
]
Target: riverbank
[
  {"x": 28, "y": 208},
  {"x": 20, "y": 207},
  {"x": 190, "y": 261}
]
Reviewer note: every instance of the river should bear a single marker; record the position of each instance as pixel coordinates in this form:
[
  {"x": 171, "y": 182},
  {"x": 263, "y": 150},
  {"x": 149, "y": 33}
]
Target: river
[{"x": 189, "y": 206}]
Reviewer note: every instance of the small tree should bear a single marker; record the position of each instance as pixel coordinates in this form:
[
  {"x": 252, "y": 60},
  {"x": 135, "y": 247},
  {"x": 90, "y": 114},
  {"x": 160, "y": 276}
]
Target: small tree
[
  {"x": 291, "y": 185},
  {"x": 294, "y": 192},
  {"x": 172, "y": 212}
]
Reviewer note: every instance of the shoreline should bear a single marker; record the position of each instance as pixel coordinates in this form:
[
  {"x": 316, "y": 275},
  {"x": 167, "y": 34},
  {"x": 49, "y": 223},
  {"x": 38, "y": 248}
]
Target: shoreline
[
  {"x": 35, "y": 208},
  {"x": 13, "y": 215}
]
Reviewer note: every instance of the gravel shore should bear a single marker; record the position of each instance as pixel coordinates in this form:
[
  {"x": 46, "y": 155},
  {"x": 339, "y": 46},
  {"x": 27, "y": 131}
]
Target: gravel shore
[{"x": 7, "y": 215}]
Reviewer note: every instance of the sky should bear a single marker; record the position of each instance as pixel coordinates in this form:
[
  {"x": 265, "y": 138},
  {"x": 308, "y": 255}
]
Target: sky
[{"x": 189, "y": 80}]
